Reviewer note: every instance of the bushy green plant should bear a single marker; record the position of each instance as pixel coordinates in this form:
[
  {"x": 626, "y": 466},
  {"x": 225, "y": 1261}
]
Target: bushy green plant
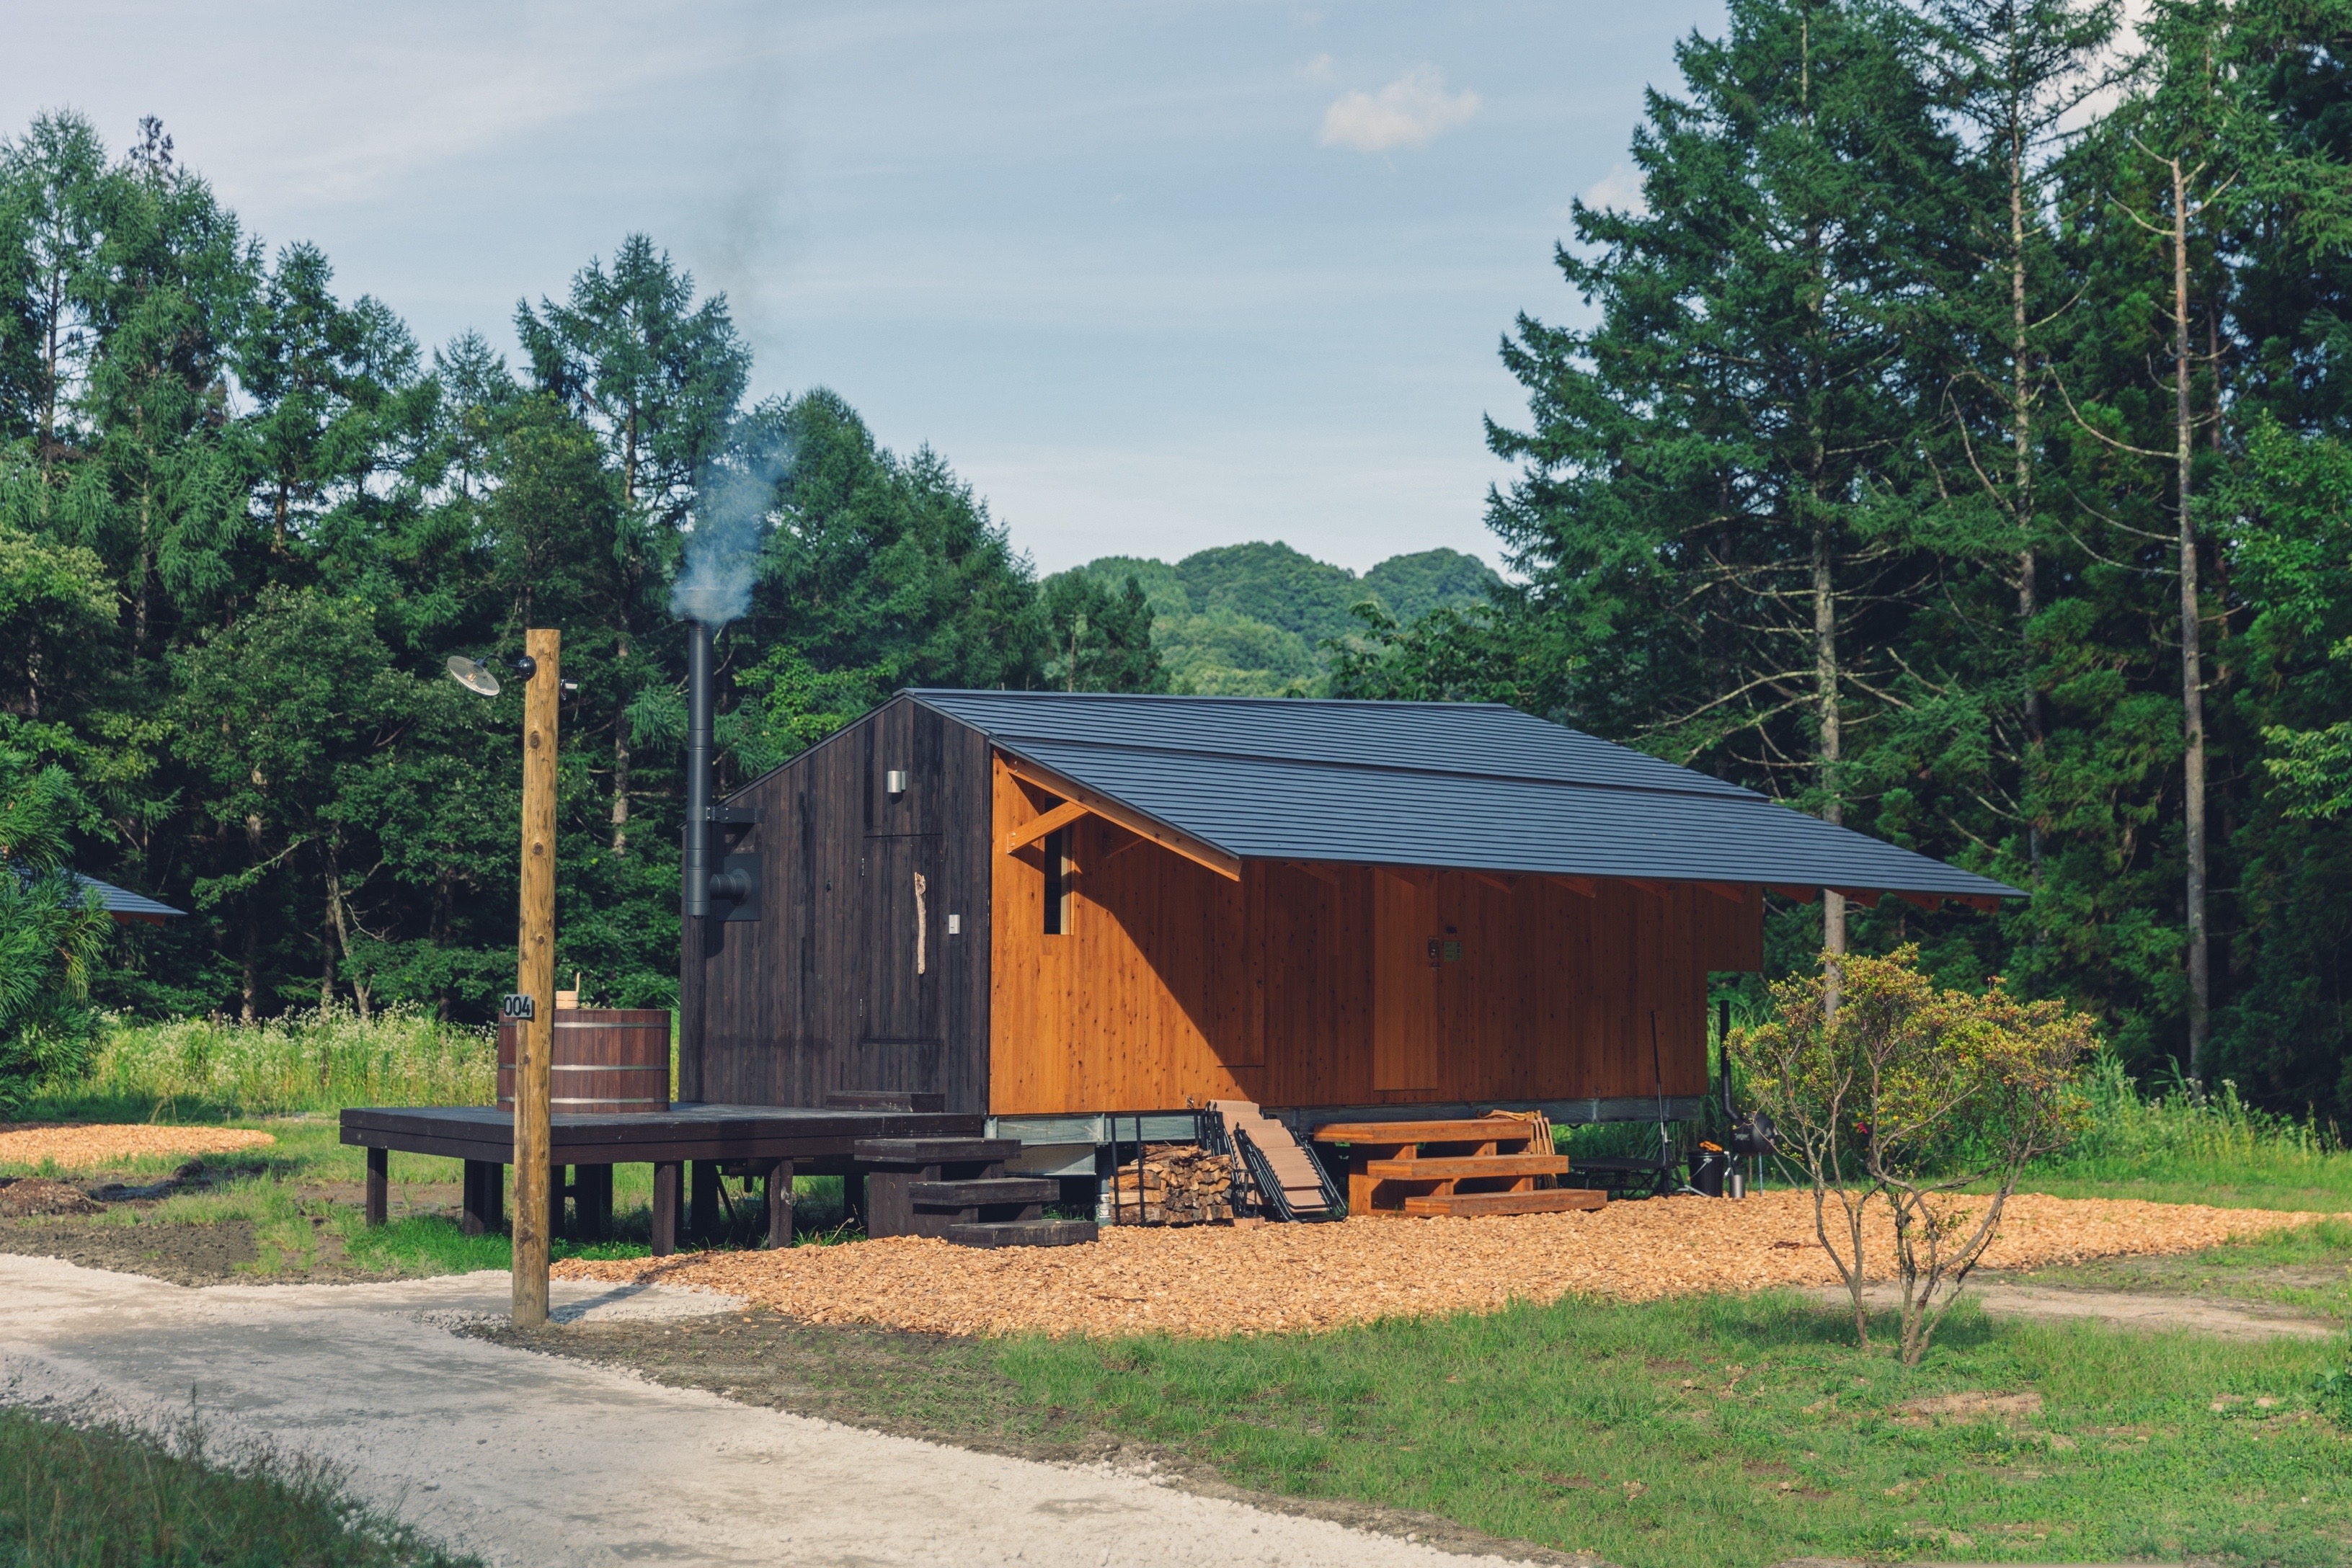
[
  {"x": 1885, "y": 1087},
  {"x": 313, "y": 1060}
]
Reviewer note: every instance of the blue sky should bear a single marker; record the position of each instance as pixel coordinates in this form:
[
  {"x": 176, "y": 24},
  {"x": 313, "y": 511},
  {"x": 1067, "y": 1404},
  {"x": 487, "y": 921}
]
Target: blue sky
[{"x": 1151, "y": 276}]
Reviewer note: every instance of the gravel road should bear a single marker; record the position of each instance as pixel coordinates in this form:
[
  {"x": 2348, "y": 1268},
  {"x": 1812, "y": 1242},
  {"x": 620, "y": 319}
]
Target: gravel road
[{"x": 529, "y": 1460}]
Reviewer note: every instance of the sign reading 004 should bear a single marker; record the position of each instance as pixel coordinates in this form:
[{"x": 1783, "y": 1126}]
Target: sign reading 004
[{"x": 517, "y": 1008}]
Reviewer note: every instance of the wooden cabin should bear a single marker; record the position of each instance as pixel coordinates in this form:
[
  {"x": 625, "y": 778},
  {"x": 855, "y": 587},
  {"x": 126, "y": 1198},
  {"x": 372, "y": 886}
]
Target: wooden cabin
[{"x": 1052, "y": 908}]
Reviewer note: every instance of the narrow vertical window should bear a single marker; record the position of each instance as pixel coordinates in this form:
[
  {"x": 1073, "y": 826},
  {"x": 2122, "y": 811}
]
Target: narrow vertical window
[{"x": 1057, "y": 883}]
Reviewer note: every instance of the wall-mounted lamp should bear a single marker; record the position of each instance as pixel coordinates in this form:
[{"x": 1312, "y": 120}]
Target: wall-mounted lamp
[{"x": 894, "y": 782}]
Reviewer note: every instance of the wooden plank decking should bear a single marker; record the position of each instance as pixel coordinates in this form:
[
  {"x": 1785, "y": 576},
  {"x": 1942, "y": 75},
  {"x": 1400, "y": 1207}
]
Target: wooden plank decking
[{"x": 776, "y": 1141}]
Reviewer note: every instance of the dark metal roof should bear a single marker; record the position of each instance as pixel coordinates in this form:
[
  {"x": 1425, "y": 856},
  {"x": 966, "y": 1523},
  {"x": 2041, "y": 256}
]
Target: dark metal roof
[
  {"x": 1474, "y": 785},
  {"x": 123, "y": 904}
]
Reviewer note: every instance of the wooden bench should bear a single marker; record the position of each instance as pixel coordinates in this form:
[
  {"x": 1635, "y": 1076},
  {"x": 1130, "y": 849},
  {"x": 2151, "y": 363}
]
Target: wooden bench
[{"x": 1463, "y": 1167}]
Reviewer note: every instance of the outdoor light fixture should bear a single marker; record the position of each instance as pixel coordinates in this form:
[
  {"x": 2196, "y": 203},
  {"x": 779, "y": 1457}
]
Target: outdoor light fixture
[{"x": 474, "y": 674}]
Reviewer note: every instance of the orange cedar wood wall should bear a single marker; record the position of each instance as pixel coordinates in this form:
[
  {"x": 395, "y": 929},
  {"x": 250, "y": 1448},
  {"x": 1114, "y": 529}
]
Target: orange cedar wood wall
[{"x": 1177, "y": 982}]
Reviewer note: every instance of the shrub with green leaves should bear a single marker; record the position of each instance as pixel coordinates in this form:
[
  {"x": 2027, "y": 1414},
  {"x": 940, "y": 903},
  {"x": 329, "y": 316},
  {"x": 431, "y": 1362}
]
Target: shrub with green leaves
[{"x": 1885, "y": 1087}]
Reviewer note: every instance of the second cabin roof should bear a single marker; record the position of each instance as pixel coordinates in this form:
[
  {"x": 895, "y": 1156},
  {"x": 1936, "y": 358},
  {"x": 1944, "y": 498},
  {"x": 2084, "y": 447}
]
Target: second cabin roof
[{"x": 1477, "y": 786}]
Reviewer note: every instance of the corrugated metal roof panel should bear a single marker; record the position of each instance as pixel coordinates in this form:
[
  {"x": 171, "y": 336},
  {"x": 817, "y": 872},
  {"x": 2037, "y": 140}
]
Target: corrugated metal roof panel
[
  {"x": 1299, "y": 811},
  {"x": 122, "y": 900},
  {"x": 1478, "y": 739},
  {"x": 1469, "y": 785}
]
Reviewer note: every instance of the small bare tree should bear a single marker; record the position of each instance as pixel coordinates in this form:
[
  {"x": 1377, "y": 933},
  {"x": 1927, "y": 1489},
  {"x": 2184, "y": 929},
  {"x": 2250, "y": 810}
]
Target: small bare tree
[{"x": 1913, "y": 1094}]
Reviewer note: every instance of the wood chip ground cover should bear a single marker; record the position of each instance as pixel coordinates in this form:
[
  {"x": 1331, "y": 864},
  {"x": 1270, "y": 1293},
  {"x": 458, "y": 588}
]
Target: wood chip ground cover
[
  {"x": 1269, "y": 1279},
  {"x": 83, "y": 1146}
]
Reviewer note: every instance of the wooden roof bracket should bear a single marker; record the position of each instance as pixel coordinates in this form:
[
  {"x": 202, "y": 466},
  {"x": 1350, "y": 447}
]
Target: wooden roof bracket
[
  {"x": 1224, "y": 862},
  {"x": 1794, "y": 894},
  {"x": 1037, "y": 827},
  {"x": 1583, "y": 886},
  {"x": 1867, "y": 897}
]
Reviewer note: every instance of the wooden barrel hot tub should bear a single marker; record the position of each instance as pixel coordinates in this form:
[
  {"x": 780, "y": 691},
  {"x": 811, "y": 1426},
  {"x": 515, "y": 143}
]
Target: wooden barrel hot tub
[{"x": 608, "y": 1061}]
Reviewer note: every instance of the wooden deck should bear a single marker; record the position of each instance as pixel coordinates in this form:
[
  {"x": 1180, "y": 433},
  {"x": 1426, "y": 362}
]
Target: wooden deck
[{"x": 776, "y": 1141}]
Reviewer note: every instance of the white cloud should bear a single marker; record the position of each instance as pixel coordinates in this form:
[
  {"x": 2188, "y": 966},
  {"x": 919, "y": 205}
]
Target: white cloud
[
  {"x": 1620, "y": 188},
  {"x": 1407, "y": 112},
  {"x": 1317, "y": 68}
]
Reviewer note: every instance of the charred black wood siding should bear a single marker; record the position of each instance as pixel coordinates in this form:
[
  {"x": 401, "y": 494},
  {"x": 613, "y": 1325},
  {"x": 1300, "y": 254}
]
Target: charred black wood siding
[{"x": 824, "y": 992}]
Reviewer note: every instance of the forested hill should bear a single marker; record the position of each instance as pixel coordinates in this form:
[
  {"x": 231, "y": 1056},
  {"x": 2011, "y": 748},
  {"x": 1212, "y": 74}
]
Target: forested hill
[{"x": 1255, "y": 620}]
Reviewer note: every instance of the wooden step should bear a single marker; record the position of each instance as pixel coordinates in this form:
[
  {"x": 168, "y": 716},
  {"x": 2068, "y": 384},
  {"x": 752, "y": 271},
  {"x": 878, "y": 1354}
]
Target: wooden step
[
  {"x": 1023, "y": 1233},
  {"x": 933, "y": 1151},
  {"x": 1467, "y": 1165},
  {"x": 1468, "y": 1205},
  {"x": 983, "y": 1190},
  {"x": 1475, "y": 1129}
]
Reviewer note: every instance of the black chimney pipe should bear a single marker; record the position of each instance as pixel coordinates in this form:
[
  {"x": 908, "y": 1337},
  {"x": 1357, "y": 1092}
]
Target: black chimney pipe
[
  {"x": 701, "y": 881},
  {"x": 697, "y": 867}
]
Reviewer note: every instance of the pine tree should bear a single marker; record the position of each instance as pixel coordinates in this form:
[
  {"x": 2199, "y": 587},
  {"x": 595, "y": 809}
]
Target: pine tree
[{"x": 1715, "y": 506}]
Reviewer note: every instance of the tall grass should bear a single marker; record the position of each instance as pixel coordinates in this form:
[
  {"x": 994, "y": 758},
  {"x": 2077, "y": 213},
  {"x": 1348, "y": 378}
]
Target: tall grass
[
  {"x": 315, "y": 1061},
  {"x": 2172, "y": 1133}
]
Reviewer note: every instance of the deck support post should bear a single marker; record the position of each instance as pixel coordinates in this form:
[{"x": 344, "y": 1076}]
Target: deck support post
[
  {"x": 780, "y": 1203},
  {"x": 666, "y": 1173},
  {"x": 485, "y": 1197},
  {"x": 379, "y": 1182},
  {"x": 705, "y": 1220},
  {"x": 555, "y": 1193},
  {"x": 592, "y": 1198}
]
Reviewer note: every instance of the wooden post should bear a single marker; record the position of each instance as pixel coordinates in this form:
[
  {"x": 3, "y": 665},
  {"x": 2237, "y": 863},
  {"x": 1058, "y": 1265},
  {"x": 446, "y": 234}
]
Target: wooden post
[
  {"x": 379, "y": 1183},
  {"x": 485, "y": 1197},
  {"x": 780, "y": 1203},
  {"x": 535, "y": 976},
  {"x": 702, "y": 1221},
  {"x": 665, "y": 1207}
]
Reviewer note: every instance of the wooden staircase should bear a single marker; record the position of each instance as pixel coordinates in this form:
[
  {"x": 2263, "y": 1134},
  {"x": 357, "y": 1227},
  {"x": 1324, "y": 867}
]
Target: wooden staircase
[
  {"x": 1294, "y": 1167},
  {"x": 956, "y": 1190},
  {"x": 1462, "y": 1168}
]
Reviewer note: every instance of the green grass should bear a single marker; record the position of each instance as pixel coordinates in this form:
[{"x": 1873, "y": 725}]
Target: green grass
[
  {"x": 2308, "y": 1268},
  {"x": 304, "y": 1062},
  {"x": 1740, "y": 1431},
  {"x": 301, "y": 1196},
  {"x": 96, "y": 1497},
  {"x": 2171, "y": 1147}
]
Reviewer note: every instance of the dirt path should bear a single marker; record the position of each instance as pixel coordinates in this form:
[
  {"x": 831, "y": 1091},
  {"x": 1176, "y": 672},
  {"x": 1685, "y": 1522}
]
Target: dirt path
[
  {"x": 2122, "y": 1309},
  {"x": 532, "y": 1459}
]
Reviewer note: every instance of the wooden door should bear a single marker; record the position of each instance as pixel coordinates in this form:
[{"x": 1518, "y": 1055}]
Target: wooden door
[
  {"x": 1404, "y": 979},
  {"x": 905, "y": 930}
]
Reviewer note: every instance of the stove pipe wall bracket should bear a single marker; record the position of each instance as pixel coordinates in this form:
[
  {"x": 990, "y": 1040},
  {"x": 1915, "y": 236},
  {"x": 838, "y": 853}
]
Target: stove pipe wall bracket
[{"x": 715, "y": 881}]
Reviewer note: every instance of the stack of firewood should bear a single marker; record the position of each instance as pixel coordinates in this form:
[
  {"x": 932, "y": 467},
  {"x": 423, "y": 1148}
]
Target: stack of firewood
[{"x": 1181, "y": 1184}]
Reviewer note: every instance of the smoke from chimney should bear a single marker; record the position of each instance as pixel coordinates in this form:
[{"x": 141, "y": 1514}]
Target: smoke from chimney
[
  {"x": 722, "y": 548},
  {"x": 723, "y": 556}
]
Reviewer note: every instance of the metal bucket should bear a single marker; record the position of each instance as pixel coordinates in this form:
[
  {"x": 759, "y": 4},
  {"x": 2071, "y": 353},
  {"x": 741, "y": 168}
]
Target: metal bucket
[
  {"x": 606, "y": 1062},
  {"x": 1735, "y": 1185}
]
